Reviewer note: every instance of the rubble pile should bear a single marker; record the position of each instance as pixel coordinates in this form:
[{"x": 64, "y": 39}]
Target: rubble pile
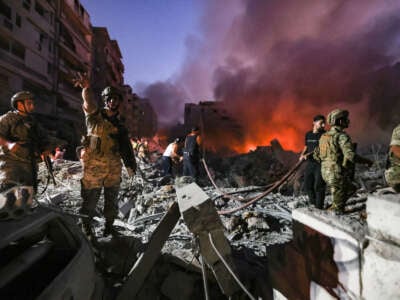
[
  {"x": 260, "y": 167},
  {"x": 144, "y": 200}
]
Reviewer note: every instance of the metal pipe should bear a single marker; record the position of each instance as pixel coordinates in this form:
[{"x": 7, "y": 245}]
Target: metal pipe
[
  {"x": 204, "y": 275},
  {"x": 229, "y": 268}
]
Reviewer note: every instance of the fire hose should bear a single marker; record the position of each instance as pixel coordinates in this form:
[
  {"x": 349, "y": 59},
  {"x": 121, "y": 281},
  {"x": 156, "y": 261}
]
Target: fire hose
[{"x": 250, "y": 201}]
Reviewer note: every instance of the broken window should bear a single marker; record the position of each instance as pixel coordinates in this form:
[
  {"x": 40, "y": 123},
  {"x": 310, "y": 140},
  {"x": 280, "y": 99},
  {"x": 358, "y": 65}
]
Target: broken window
[
  {"x": 18, "y": 20},
  {"x": 5, "y": 10},
  {"x": 26, "y": 4},
  {"x": 68, "y": 39},
  {"x": 18, "y": 49},
  {"x": 39, "y": 9},
  {"x": 4, "y": 43}
]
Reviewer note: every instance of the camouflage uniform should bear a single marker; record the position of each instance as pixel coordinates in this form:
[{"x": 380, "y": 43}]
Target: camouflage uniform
[
  {"x": 392, "y": 174},
  {"x": 20, "y": 167},
  {"x": 106, "y": 142},
  {"x": 337, "y": 155}
]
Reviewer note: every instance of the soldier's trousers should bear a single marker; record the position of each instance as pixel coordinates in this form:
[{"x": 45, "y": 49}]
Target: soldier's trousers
[
  {"x": 99, "y": 172},
  {"x": 338, "y": 184},
  {"x": 314, "y": 185},
  {"x": 392, "y": 176},
  {"x": 190, "y": 168}
]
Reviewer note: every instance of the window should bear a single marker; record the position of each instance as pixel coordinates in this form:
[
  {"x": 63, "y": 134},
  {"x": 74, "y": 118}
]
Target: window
[
  {"x": 39, "y": 9},
  {"x": 4, "y": 43},
  {"x": 18, "y": 49},
  {"x": 8, "y": 24},
  {"x": 5, "y": 10},
  {"x": 81, "y": 11},
  {"x": 49, "y": 68},
  {"x": 18, "y": 20},
  {"x": 51, "y": 45},
  {"x": 26, "y": 4}
]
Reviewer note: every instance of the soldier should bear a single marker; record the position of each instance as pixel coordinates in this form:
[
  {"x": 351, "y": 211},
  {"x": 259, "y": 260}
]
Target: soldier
[
  {"x": 313, "y": 182},
  {"x": 104, "y": 145},
  {"x": 191, "y": 153},
  {"x": 392, "y": 174},
  {"x": 22, "y": 142},
  {"x": 337, "y": 156}
]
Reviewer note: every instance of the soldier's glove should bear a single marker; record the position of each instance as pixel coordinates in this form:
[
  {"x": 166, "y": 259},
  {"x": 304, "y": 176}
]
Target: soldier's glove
[{"x": 130, "y": 172}]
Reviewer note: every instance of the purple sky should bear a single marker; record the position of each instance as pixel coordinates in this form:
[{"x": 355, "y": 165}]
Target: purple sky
[{"x": 150, "y": 33}]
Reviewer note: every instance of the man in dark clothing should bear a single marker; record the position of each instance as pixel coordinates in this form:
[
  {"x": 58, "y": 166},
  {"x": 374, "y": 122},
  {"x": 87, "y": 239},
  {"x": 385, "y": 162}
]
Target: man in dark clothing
[
  {"x": 314, "y": 185},
  {"x": 191, "y": 153}
]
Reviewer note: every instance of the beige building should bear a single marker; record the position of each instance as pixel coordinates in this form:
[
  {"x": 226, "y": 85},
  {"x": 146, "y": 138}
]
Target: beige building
[{"x": 42, "y": 44}]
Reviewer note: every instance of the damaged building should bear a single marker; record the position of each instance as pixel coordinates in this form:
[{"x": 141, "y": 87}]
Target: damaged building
[
  {"x": 42, "y": 46},
  {"x": 243, "y": 230}
]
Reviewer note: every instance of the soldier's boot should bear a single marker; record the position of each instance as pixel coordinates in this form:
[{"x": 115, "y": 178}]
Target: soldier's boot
[
  {"x": 90, "y": 198},
  {"x": 110, "y": 209},
  {"x": 311, "y": 197},
  {"x": 338, "y": 202}
]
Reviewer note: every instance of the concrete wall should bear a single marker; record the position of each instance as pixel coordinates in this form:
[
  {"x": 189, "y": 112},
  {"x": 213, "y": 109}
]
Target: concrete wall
[{"x": 334, "y": 257}]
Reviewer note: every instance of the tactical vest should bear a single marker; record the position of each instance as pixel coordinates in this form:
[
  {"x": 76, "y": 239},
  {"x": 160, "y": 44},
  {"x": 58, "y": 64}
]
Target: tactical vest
[
  {"x": 25, "y": 131},
  {"x": 393, "y": 160},
  {"x": 102, "y": 134},
  {"x": 329, "y": 149}
]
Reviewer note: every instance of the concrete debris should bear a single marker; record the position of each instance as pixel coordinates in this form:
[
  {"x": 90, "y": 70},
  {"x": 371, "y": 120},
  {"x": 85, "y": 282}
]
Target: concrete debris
[{"x": 253, "y": 234}]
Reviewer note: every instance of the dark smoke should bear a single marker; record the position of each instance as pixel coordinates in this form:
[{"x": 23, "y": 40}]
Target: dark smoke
[
  {"x": 167, "y": 100},
  {"x": 280, "y": 62}
]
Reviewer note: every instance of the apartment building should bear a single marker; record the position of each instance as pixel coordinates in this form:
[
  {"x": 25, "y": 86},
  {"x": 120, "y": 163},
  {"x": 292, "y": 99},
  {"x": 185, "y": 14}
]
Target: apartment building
[{"x": 42, "y": 44}]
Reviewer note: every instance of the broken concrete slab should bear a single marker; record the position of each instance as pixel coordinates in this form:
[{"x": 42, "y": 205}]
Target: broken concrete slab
[
  {"x": 384, "y": 216},
  {"x": 202, "y": 219},
  {"x": 146, "y": 261},
  {"x": 383, "y": 259},
  {"x": 197, "y": 209},
  {"x": 315, "y": 232}
]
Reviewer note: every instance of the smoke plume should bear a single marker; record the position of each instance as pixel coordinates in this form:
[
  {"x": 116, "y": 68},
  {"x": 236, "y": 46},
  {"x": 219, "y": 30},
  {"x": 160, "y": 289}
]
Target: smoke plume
[{"x": 277, "y": 63}]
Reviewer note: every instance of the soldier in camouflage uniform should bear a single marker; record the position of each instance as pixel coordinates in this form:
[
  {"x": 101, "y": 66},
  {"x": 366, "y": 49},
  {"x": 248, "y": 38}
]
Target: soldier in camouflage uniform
[
  {"x": 337, "y": 156},
  {"x": 392, "y": 174},
  {"x": 22, "y": 141},
  {"x": 104, "y": 145}
]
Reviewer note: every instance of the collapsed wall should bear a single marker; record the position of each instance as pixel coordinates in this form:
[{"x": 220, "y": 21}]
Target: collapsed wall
[{"x": 333, "y": 257}]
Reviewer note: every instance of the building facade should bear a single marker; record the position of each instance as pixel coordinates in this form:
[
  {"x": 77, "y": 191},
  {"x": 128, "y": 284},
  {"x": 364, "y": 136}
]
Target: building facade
[{"x": 42, "y": 44}]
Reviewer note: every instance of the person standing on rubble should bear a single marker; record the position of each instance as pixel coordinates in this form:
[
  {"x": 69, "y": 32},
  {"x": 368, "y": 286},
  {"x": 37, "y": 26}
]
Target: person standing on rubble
[
  {"x": 191, "y": 153},
  {"x": 314, "y": 185},
  {"x": 170, "y": 154},
  {"x": 142, "y": 149},
  {"x": 338, "y": 157},
  {"x": 22, "y": 141},
  {"x": 106, "y": 142},
  {"x": 392, "y": 174}
]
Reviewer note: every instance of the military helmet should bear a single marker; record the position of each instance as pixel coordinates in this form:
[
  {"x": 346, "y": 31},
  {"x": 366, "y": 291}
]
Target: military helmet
[
  {"x": 337, "y": 114},
  {"x": 20, "y": 96},
  {"x": 110, "y": 91}
]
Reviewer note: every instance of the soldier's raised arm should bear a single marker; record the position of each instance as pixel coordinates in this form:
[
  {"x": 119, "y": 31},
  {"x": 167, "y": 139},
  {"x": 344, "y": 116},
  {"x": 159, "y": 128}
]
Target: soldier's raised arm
[{"x": 89, "y": 104}]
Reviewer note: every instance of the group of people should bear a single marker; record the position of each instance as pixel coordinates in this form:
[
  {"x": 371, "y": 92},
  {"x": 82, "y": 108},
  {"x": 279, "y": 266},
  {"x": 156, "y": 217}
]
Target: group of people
[
  {"x": 331, "y": 157},
  {"x": 190, "y": 154}
]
